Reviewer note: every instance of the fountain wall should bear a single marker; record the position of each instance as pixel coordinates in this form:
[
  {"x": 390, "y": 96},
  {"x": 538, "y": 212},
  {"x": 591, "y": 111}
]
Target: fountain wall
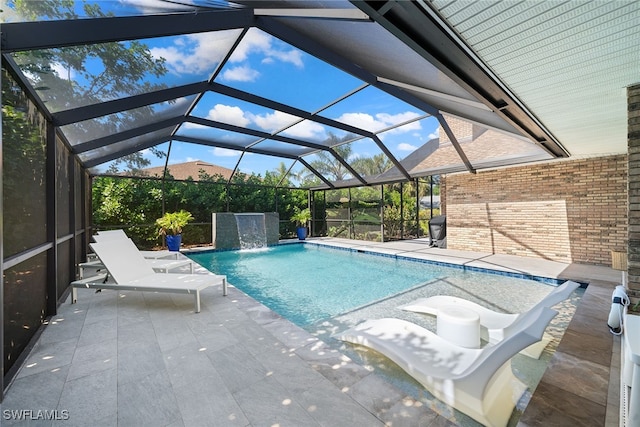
[{"x": 225, "y": 234}]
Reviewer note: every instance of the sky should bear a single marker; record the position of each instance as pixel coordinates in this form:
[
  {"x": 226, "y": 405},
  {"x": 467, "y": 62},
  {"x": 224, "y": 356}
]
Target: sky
[
  {"x": 273, "y": 69},
  {"x": 268, "y": 67}
]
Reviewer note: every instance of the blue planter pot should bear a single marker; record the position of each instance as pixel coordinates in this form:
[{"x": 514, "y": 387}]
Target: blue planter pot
[
  {"x": 302, "y": 233},
  {"x": 173, "y": 242}
]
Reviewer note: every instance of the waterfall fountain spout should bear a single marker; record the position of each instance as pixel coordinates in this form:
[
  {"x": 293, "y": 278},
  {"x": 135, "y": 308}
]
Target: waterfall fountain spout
[
  {"x": 252, "y": 231},
  {"x": 237, "y": 230}
]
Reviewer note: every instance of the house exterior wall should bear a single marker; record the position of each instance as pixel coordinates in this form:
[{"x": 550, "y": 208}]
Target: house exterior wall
[
  {"x": 633, "y": 96},
  {"x": 567, "y": 211}
]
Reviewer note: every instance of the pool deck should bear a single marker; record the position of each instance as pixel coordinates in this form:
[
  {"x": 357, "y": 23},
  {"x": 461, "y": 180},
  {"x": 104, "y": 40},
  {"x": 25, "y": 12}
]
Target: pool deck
[{"x": 135, "y": 359}]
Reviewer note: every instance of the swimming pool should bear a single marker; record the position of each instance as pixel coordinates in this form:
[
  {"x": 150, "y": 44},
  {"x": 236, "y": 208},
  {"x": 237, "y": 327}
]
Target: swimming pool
[
  {"x": 307, "y": 283},
  {"x": 327, "y": 289}
]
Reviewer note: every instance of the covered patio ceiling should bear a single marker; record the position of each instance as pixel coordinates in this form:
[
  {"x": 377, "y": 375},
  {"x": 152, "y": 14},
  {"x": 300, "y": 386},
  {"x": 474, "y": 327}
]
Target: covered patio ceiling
[{"x": 365, "y": 85}]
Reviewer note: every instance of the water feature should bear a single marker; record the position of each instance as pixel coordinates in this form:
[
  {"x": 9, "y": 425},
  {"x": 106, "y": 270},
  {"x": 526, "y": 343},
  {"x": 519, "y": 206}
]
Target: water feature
[
  {"x": 252, "y": 231},
  {"x": 261, "y": 229}
]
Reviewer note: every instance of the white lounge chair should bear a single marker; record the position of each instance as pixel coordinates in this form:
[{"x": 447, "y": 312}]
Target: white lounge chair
[
  {"x": 494, "y": 323},
  {"x": 477, "y": 382},
  {"x": 161, "y": 265},
  {"x": 161, "y": 261},
  {"x": 119, "y": 234},
  {"x": 130, "y": 271}
]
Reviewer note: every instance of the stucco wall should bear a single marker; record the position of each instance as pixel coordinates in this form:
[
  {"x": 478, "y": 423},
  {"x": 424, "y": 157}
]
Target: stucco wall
[{"x": 568, "y": 211}]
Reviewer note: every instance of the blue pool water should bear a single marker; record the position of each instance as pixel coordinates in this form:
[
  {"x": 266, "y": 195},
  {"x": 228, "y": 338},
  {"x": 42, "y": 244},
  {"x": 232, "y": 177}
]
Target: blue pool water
[{"x": 306, "y": 283}]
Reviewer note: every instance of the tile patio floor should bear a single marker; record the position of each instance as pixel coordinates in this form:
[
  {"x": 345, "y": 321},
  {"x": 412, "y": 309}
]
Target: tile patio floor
[{"x": 142, "y": 359}]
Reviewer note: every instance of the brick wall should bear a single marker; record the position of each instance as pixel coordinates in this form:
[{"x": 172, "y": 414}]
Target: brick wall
[
  {"x": 568, "y": 211},
  {"x": 633, "y": 102}
]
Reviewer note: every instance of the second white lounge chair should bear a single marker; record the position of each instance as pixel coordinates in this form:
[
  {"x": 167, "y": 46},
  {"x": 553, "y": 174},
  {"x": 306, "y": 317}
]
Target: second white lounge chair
[
  {"x": 119, "y": 234},
  {"x": 130, "y": 271},
  {"x": 161, "y": 264},
  {"x": 477, "y": 382},
  {"x": 494, "y": 323}
]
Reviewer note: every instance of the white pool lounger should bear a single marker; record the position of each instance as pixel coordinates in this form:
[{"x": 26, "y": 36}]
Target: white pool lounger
[
  {"x": 121, "y": 236},
  {"x": 494, "y": 322},
  {"x": 477, "y": 382},
  {"x": 161, "y": 264},
  {"x": 130, "y": 271}
]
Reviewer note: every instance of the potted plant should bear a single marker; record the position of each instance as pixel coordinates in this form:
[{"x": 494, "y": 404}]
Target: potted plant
[
  {"x": 301, "y": 218},
  {"x": 171, "y": 224}
]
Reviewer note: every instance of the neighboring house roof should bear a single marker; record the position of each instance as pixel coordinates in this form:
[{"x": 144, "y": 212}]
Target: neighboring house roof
[
  {"x": 483, "y": 148},
  {"x": 491, "y": 148},
  {"x": 189, "y": 169}
]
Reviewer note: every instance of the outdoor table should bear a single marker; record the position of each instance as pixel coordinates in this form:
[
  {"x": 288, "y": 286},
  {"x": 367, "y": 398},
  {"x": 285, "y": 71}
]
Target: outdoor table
[{"x": 459, "y": 325}]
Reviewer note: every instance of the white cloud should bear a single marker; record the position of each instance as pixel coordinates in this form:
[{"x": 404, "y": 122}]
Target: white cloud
[
  {"x": 273, "y": 121},
  {"x": 228, "y": 114},
  {"x": 241, "y": 74},
  {"x": 224, "y": 152},
  {"x": 306, "y": 129},
  {"x": 254, "y": 41},
  {"x": 394, "y": 119},
  {"x": 175, "y": 58},
  {"x": 434, "y": 135},
  {"x": 189, "y": 125},
  {"x": 362, "y": 121},
  {"x": 200, "y": 53},
  {"x": 381, "y": 121},
  {"x": 258, "y": 42},
  {"x": 291, "y": 56},
  {"x": 406, "y": 147},
  {"x": 269, "y": 122},
  {"x": 178, "y": 102},
  {"x": 277, "y": 120},
  {"x": 196, "y": 53}
]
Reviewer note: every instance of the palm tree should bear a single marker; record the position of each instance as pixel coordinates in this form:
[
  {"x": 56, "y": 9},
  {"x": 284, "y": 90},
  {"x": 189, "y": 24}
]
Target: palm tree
[
  {"x": 278, "y": 176},
  {"x": 369, "y": 166},
  {"x": 328, "y": 165}
]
